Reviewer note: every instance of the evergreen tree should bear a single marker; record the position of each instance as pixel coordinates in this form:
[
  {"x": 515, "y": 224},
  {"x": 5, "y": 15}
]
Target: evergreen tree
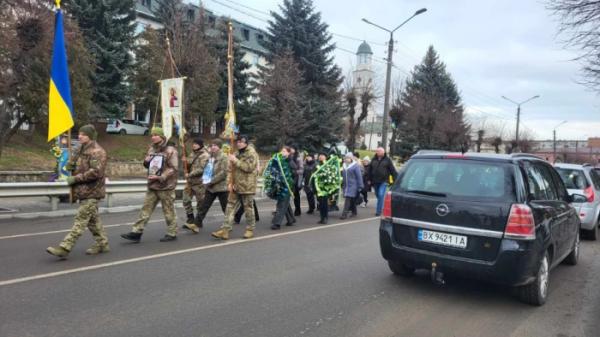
[
  {"x": 429, "y": 112},
  {"x": 300, "y": 29},
  {"x": 282, "y": 118},
  {"x": 108, "y": 28}
]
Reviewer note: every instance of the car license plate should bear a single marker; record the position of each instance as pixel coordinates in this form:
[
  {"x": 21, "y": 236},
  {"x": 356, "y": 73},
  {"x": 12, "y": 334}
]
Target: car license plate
[{"x": 445, "y": 239}]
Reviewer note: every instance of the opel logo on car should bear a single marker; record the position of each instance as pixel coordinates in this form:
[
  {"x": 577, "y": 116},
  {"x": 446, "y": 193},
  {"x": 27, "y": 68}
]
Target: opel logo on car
[{"x": 442, "y": 210}]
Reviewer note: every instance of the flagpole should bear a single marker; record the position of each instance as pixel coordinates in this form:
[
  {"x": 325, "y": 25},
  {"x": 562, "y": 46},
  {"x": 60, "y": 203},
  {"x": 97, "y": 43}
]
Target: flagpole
[
  {"x": 181, "y": 134},
  {"x": 230, "y": 107}
]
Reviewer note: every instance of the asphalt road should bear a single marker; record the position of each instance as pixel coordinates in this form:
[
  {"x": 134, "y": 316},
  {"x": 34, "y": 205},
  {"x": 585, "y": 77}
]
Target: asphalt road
[{"x": 306, "y": 280}]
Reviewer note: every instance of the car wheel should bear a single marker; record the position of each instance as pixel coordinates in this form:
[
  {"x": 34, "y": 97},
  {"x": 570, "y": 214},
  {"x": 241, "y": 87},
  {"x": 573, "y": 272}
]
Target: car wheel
[
  {"x": 400, "y": 269},
  {"x": 573, "y": 257},
  {"x": 123, "y": 132},
  {"x": 536, "y": 292}
]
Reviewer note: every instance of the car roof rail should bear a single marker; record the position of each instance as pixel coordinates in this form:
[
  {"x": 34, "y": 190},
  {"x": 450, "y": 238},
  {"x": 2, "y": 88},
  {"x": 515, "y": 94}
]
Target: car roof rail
[
  {"x": 431, "y": 151},
  {"x": 524, "y": 155}
]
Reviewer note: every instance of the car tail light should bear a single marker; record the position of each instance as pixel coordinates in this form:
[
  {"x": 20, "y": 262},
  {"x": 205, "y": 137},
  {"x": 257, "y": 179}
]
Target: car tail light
[
  {"x": 521, "y": 225},
  {"x": 387, "y": 207},
  {"x": 589, "y": 193}
]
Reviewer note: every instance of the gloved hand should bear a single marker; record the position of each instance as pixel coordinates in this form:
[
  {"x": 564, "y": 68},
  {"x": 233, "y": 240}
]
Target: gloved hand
[{"x": 71, "y": 180}]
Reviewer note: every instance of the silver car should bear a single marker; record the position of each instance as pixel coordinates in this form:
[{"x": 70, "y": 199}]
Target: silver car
[
  {"x": 585, "y": 180},
  {"x": 127, "y": 127}
]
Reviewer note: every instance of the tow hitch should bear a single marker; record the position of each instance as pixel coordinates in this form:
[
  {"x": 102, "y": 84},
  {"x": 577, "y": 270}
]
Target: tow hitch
[{"x": 437, "y": 277}]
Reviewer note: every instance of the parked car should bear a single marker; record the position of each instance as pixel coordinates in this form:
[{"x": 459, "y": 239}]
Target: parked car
[
  {"x": 584, "y": 179},
  {"x": 506, "y": 219},
  {"x": 127, "y": 127}
]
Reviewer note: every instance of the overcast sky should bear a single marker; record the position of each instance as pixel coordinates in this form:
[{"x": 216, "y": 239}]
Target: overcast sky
[{"x": 490, "y": 47}]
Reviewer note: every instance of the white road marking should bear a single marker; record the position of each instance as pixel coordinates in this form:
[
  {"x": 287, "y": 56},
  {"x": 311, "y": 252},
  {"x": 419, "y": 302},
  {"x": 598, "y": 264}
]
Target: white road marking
[{"x": 176, "y": 252}]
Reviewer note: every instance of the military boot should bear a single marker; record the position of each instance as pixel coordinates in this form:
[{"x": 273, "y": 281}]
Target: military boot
[
  {"x": 190, "y": 225},
  {"x": 58, "y": 252},
  {"x": 97, "y": 248},
  {"x": 222, "y": 234},
  {"x": 132, "y": 236},
  {"x": 249, "y": 233}
]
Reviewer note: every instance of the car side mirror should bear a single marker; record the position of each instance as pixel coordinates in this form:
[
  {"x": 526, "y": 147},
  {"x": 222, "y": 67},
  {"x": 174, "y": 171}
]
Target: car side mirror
[{"x": 578, "y": 198}]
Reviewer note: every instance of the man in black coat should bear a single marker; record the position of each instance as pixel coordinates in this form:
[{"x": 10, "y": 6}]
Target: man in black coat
[{"x": 380, "y": 170}]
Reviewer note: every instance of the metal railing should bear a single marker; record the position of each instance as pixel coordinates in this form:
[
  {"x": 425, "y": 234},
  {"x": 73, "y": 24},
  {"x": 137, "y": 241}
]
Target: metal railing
[{"x": 56, "y": 190}]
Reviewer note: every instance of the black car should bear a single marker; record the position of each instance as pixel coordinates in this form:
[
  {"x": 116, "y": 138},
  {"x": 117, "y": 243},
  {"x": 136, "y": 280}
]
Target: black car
[{"x": 506, "y": 219}]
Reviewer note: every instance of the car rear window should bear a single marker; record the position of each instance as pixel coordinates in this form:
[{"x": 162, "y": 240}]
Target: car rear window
[
  {"x": 459, "y": 178},
  {"x": 574, "y": 179}
]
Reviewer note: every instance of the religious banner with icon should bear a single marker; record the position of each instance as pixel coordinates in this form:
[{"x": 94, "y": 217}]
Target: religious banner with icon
[{"x": 172, "y": 103}]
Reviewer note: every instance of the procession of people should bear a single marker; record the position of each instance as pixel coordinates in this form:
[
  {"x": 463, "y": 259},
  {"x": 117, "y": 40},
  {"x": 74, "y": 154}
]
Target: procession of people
[{"x": 231, "y": 178}]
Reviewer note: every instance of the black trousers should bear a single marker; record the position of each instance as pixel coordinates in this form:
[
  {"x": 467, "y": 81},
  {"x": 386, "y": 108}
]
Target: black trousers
[
  {"x": 240, "y": 212},
  {"x": 209, "y": 198},
  {"x": 297, "y": 200},
  {"x": 364, "y": 193},
  {"x": 349, "y": 205},
  {"x": 323, "y": 206},
  {"x": 310, "y": 197}
]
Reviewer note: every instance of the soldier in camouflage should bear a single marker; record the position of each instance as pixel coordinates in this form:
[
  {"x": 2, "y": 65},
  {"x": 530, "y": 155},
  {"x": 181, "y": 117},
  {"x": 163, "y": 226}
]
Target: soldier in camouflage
[
  {"x": 195, "y": 188},
  {"x": 214, "y": 180},
  {"x": 161, "y": 162},
  {"x": 87, "y": 182},
  {"x": 242, "y": 180}
]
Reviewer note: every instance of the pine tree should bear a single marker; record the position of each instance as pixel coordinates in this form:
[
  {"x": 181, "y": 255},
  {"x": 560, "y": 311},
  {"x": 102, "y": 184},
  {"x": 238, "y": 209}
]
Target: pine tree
[
  {"x": 281, "y": 93},
  {"x": 300, "y": 29},
  {"x": 429, "y": 112},
  {"x": 108, "y": 28}
]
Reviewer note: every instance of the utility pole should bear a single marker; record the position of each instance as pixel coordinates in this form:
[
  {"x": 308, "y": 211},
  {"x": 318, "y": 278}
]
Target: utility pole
[
  {"x": 554, "y": 145},
  {"x": 386, "y": 104},
  {"x": 554, "y": 138},
  {"x": 519, "y": 113}
]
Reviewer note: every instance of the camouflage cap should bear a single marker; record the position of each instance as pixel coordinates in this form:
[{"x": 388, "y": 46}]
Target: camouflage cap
[
  {"x": 89, "y": 130},
  {"x": 157, "y": 131}
]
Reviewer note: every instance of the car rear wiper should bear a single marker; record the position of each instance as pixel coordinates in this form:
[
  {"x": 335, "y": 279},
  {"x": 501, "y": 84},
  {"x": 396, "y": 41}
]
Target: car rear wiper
[{"x": 433, "y": 194}]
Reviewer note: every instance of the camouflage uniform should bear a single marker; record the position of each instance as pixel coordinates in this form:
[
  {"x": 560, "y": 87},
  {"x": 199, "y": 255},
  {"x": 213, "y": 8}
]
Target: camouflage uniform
[
  {"x": 245, "y": 176},
  {"x": 162, "y": 190},
  {"x": 89, "y": 187},
  {"x": 195, "y": 188},
  {"x": 217, "y": 188}
]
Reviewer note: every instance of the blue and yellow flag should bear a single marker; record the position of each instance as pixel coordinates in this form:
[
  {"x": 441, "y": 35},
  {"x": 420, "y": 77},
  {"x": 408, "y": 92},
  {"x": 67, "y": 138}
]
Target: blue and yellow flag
[{"x": 60, "y": 106}]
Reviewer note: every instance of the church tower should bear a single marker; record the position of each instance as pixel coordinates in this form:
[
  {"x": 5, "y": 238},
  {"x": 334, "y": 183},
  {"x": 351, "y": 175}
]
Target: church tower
[{"x": 363, "y": 74}]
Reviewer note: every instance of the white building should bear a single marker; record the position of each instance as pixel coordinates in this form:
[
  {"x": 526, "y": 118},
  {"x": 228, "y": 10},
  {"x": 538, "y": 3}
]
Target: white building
[
  {"x": 363, "y": 79},
  {"x": 250, "y": 38}
]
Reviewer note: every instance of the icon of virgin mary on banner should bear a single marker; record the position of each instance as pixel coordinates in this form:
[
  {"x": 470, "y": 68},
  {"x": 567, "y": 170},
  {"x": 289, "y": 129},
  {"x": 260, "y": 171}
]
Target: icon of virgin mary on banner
[{"x": 171, "y": 101}]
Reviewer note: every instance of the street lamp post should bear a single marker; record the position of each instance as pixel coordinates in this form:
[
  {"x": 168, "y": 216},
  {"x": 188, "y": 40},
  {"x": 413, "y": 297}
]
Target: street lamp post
[
  {"x": 519, "y": 112},
  {"x": 386, "y": 104},
  {"x": 554, "y": 140}
]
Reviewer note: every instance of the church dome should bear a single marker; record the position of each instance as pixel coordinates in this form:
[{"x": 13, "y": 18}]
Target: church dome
[{"x": 364, "y": 48}]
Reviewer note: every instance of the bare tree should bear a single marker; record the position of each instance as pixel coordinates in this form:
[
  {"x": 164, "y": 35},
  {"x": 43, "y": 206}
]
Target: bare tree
[
  {"x": 580, "y": 21},
  {"x": 352, "y": 98}
]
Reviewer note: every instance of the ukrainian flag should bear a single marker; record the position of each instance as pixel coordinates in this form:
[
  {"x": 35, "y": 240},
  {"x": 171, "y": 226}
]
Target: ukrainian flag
[{"x": 60, "y": 106}]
